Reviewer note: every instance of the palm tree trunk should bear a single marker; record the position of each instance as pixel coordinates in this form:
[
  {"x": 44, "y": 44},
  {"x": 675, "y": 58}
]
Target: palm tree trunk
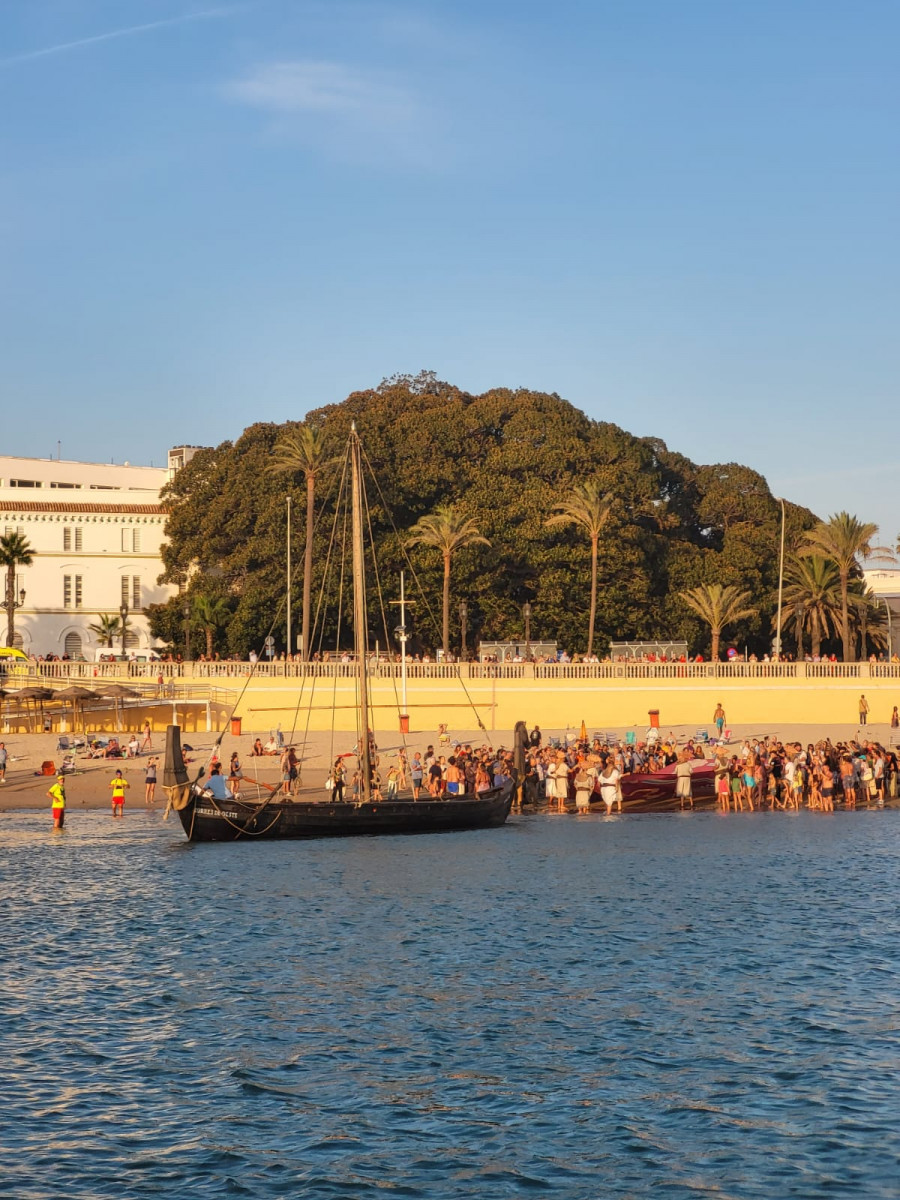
[
  {"x": 10, "y": 598},
  {"x": 716, "y": 634},
  {"x": 845, "y": 614},
  {"x": 446, "y": 604},
  {"x": 593, "y": 617},
  {"x": 209, "y": 641},
  {"x": 863, "y": 634},
  {"x": 815, "y": 633},
  {"x": 307, "y": 561}
]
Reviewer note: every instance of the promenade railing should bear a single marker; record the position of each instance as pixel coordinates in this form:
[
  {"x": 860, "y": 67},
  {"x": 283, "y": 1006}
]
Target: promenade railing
[{"x": 148, "y": 674}]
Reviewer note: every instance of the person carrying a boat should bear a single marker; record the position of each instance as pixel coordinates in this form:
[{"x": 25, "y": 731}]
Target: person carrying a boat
[{"x": 57, "y": 796}]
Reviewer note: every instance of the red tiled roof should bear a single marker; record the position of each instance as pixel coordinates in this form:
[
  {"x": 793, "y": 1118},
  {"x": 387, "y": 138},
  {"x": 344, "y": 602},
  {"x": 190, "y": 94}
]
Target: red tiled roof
[{"x": 60, "y": 506}]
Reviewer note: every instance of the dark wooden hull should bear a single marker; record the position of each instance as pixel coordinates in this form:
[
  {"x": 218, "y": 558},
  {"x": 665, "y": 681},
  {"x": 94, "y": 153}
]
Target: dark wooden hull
[
  {"x": 655, "y": 792},
  {"x": 206, "y": 820}
]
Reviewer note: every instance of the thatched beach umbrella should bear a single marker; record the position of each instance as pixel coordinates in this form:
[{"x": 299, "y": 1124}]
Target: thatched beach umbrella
[
  {"x": 36, "y": 694},
  {"x": 75, "y": 693},
  {"x": 117, "y": 692}
]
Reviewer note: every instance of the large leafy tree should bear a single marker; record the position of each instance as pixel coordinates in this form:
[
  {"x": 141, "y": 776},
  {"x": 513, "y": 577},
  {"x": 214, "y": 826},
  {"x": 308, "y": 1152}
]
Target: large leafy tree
[
  {"x": 302, "y": 450},
  {"x": 446, "y": 530},
  {"x": 506, "y": 458},
  {"x": 15, "y": 551},
  {"x": 719, "y": 607},
  {"x": 842, "y": 538},
  {"x": 588, "y": 507}
]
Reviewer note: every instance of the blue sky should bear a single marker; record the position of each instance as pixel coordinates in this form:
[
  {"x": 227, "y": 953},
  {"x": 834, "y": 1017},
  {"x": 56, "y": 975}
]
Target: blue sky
[{"x": 681, "y": 215}]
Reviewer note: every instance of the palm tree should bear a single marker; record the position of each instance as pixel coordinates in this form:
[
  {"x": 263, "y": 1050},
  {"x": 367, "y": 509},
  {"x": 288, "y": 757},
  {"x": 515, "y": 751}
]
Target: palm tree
[
  {"x": 15, "y": 551},
  {"x": 106, "y": 629},
  {"x": 719, "y": 607},
  {"x": 447, "y": 530},
  {"x": 868, "y": 616},
  {"x": 811, "y": 599},
  {"x": 588, "y": 508},
  {"x": 210, "y": 614},
  {"x": 842, "y": 538},
  {"x": 302, "y": 451}
]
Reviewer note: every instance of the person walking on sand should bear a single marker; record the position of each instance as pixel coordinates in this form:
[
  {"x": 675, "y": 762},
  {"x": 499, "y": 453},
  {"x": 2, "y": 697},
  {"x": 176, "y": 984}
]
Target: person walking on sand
[
  {"x": 4, "y": 755},
  {"x": 150, "y": 782},
  {"x": 118, "y": 784},
  {"x": 863, "y": 710},
  {"x": 147, "y": 743},
  {"x": 719, "y": 719},
  {"x": 57, "y": 795}
]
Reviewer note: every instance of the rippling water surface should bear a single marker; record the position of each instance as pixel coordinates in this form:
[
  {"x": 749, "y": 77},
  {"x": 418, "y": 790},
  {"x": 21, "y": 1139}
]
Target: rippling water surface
[{"x": 564, "y": 1007}]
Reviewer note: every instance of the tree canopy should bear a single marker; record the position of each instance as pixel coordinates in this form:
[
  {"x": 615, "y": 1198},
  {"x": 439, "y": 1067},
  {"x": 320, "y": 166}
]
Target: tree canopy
[{"x": 509, "y": 458}]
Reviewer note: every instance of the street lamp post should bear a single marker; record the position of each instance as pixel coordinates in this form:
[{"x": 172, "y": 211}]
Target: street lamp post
[
  {"x": 123, "y": 613},
  {"x": 186, "y": 612},
  {"x": 780, "y": 586},
  {"x": 463, "y": 618},
  {"x": 526, "y": 613},
  {"x": 289, "y": 649},
  {"x": 13, "y": 602},
  {"x": 887, "y": 609}
]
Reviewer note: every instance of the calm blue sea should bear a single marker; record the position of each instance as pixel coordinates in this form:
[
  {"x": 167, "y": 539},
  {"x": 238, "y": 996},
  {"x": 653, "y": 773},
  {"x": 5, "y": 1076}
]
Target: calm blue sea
[{"x": 670, "y": 1005}]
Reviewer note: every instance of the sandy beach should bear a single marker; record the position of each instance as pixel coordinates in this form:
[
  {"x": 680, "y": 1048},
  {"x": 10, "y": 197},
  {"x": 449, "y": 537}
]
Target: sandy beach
[{"x": 88, "y": 788}]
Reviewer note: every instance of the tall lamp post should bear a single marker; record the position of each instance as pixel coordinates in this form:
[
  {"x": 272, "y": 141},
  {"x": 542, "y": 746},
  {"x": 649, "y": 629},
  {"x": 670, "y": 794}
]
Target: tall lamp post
[
  {"x": 186, "y": 611},
  {"x": 15, "y": 603},
  {"x": 780, "y": 586},
  {"x": 887, "y": 609},
  {"x": 463, "y": 618},
  {"x": 123, "y": 614},
  {"x": 289, "y": 650},
  {"x": 526, "y": 613}
]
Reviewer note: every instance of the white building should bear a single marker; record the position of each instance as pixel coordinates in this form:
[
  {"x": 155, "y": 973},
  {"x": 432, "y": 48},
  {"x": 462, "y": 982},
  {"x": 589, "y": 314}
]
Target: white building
[
  {"x": 97, "y": 531},
  {"x": 885, "y": 583}
]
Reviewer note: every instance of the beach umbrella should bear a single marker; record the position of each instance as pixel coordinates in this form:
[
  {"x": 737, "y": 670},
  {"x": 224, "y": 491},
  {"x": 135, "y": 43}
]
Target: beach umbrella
[
  {"x": 117, "y": 692},
  {"x": 35, "y": 694},
  {"x": 583, "y": 732},
  {"x": 75, "y": 693}
]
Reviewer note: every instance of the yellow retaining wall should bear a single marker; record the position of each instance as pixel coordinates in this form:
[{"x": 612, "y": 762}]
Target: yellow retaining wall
[
  {"x": 556, "y": 703},
  {"x": 552, "y": 703}
]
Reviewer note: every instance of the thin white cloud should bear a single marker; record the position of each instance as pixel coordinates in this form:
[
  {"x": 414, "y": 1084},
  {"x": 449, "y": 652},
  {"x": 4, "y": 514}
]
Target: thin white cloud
[
  {"x": 130, "y": 31},
  {"x": 345, "y": 111},
  {"x": 320, "y": 87}
]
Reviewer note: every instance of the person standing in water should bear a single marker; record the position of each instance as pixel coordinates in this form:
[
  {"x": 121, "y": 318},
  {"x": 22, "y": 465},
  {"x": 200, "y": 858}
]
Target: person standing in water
[
  {"x": 57, "y": 795},
  {"x": 150, "y": 773},
  {"x": 118, "y": 784}
]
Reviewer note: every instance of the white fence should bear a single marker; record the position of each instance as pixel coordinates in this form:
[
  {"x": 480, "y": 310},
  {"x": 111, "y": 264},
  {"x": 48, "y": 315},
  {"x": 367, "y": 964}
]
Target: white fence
[{"x": 147, "y": 675}]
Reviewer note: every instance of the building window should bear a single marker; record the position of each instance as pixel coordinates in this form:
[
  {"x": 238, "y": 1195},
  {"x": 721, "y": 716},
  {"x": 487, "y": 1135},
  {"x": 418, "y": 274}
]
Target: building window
[
  {"x": 125, "y": 590},
  {"x": 72, "y": 537},
  {"x": 25, "y": 483},
  {"x": 136, "y": 592},
  {"x": 78, "y": 591},
  {"x": 132, "y": 641},
  {"x": 67, "y": 537},
  {"x": 67, "y": 485},
  {"x": 136, "y": 541},
  {"x": 104, "y": 487},
  {"x": 78, "y": 542},
  {"x": 19, "y": 529},
  {"x": 73, "y": 645},
  {"x": 67, "y": 591}
]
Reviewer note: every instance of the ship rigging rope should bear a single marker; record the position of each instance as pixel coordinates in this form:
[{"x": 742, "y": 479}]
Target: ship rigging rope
[
  {"x": 415, "y": 576},
  {"x": 201, "y": 770}
]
